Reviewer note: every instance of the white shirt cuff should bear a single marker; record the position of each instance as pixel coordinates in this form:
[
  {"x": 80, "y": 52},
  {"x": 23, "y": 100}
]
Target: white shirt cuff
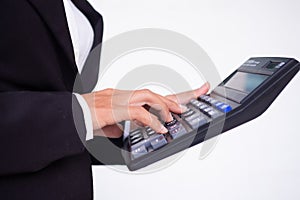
[{"x": 87, "y": 116}]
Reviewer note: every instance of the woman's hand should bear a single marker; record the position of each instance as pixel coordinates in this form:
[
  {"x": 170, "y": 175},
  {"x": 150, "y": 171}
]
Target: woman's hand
[{"x": 110, "y": 106}]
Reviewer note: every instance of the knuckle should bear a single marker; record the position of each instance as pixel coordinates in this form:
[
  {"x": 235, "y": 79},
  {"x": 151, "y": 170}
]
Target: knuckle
[
  {"x": 164, "y": 107},
  {"x": 108, "y": 90},
  {"x": 146, "y": 91}
]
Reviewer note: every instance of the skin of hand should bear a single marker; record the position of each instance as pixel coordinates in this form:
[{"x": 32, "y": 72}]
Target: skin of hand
[{"x": 110, "y": 106}]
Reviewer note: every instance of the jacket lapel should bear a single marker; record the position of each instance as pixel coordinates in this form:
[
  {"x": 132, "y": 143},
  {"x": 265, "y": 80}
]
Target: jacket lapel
[
  {"x": 90, "y": 71},
  {"x": 94, "y": 17},
  {"x": 53, "y": 14}
]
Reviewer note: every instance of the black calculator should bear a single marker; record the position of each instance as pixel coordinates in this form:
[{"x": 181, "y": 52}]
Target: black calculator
[{"x": 241, "y": 97}]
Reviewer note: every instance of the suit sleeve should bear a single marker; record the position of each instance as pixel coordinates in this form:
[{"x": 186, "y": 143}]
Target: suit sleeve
[{"x": 38, "y": 128}]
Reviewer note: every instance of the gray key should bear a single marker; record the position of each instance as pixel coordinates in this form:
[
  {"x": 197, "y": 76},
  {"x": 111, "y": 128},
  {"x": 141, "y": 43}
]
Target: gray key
[
  {"x": 196, "y": 103},
  {"x": 135, "y": 137},
  {"x": 135, "y": 132},
  {"x": 204, "y": 98},
  {"x": 197, "y": 122},
  {"x": 150, "y": 139},
  {"x": 136, "y": 140},
  {"x": 207, "y": 109},
  {"x": 146, "y": 142},
  {"x": 188, "y": 113},
  {"x": 178, "y": 132},
  {"x": 193, "y": 101},
  {"x": 158, "y": 142},
  {"x": 152, "y": 132},
  {"x": 138, "y": 152},
  {"x": 213, "y": 101},
  {"x": 213, "y": 114},
  {"x": 192, "y": 116},
  {"x": 203, "y": 107}
]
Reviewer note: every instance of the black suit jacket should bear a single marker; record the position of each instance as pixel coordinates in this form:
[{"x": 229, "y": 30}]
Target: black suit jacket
[{"x": 41, "y": 150}]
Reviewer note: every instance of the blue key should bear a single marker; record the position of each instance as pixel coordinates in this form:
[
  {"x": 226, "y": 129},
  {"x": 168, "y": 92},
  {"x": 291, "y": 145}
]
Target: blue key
[
  {"x": 218, "y": 104},
  {"x": 225, "y": 108}
]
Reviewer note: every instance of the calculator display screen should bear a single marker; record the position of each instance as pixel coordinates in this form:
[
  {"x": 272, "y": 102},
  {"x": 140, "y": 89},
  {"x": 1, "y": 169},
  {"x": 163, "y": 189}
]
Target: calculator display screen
[{"x": 245, "y": 82}]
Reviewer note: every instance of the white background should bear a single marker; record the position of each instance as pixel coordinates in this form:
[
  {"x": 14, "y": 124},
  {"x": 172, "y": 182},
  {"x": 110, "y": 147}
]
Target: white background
[{"x": 258, "y": 160}]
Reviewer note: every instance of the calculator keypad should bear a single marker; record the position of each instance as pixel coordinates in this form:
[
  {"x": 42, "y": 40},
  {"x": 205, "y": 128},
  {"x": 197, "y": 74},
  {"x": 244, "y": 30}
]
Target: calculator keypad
[
  {"x": 221, "y": 106},
  {"x": 199, "y": 112}
]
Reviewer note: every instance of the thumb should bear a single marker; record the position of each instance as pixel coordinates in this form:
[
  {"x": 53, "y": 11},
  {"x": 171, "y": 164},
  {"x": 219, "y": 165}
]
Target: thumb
[{"x": 185, "y": 97}]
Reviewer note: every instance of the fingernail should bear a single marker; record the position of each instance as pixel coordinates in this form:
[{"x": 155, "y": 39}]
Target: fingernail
[
  {"x": 170, "y": 117},
  {"x": 164, "y": 129},
  {"x": 183, "y": 108},
  {"x": 207, "y": 84}
]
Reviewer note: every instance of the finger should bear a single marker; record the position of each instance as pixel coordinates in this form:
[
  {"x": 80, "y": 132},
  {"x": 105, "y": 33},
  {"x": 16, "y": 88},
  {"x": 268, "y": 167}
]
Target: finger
[
  {"x": 142, "y": 97},
  {"x": 110, "y": 131},
  {"x": 172, "y": 105},
  {"x": 185, "y": 97},
  {"x": 135, "y": 113},
  {"x": 146, "y": 118}
]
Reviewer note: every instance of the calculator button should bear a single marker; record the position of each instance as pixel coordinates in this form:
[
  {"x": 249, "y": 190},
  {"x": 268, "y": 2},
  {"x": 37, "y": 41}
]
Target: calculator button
[
  {"x": 225, "y": 108},
  {"x": 204, "y": 98},
  {"x": 199, "y": 104},
  {"x": 158, "y": 142},
  {"x": 213, "y": 114},
  {"x": 193, "y": 101},
  {"x": 179, "y": 131},
  {"x": 188, "y": 113},
  {"x": 138, "y": 152},
  {"x": 197, "y": 122},
  {"x": 192, "y": 116},
  {"x": 209, "y": 100},
  {"x": 135, "y": 141},
  {"x": 171, "y": 123},
  {"x": 207, "y": 110},
  {"x": 135, "y": 132},
  {"x": 202, "y": 107},
  {"x": 135, "y": 137},
  {"x": 147, "y": 141},
  {"x": 218, "y": 104},
  {"x": 152, "y": 132},
  {"x": 213, "y": 101}
]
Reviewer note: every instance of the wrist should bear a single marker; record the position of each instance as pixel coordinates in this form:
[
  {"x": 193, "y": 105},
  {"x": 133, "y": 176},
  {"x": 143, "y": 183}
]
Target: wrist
[{"x": 90, "y": 99}]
